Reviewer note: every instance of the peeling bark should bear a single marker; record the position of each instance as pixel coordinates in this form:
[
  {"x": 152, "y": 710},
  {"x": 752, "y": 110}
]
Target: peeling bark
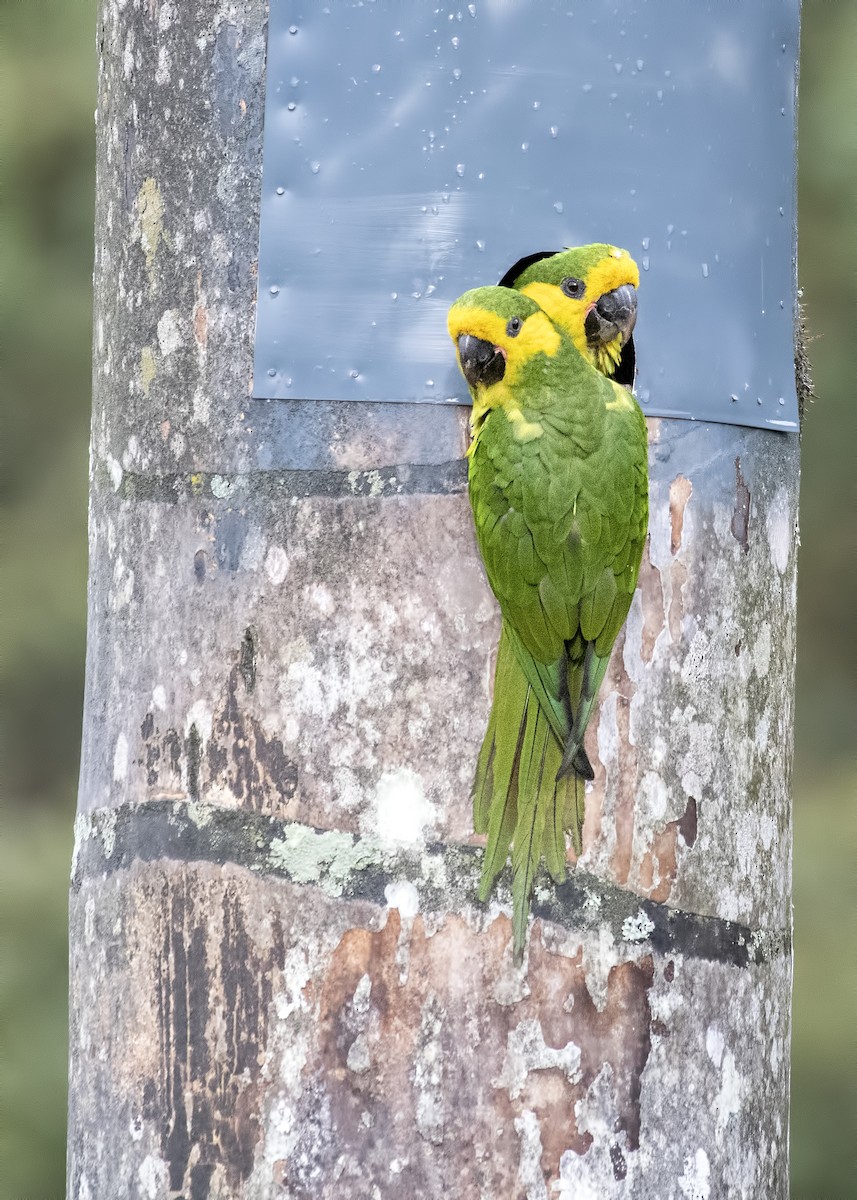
[{"x": 282, "y": 984}]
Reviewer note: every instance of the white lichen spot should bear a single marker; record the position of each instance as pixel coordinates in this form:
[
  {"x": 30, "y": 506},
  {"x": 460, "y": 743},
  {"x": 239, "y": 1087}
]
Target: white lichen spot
[
  {"x": 762, "y": 650},
  {"x": 166, "y": 15},
  {"x": 357, "y": 1059},
  {"x": 114, "y": 470},
  {"x": 199, "y": 715},
  {"x": 276, "y": 565},
  {"x": 637, "y": 928},
  {"x": 404, "y": 896},
  {"x": 779, "y": 527},
  {"x": 530, "y": 1174},
  {"x": 169, "y": 334},
  {"x": 527, "y": 1051},
  {"x": 120, "y": 758},
  {"x": 400, "y": 813},
  {"x": 347, "y": 788},
  {"x": 767, "y": 830},
  {"x": 321, "y": 599},
  {"x": 714, "y": 1044},
  {"x": 154, "y": 1177},
  {"x": 695, "y": 1182},
  {"x": 162, "y": 73},
  {"x": 427, "y": 1073},
  {"x": 727, "y": 1103}
]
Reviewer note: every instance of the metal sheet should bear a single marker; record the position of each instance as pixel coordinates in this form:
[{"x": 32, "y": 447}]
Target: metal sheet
[{"x": 412, "y": 152}]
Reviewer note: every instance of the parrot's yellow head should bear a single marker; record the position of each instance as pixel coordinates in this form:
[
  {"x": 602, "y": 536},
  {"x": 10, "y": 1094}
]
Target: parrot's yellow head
[
  {"x": 589, "y": 292},
  {"x": 500, "y": 335}
]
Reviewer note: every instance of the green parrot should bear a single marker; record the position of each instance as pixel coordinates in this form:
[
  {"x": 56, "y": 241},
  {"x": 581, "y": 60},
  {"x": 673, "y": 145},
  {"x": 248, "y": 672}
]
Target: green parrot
[
  {"x": 558, "y": 487},
  {"x": 602, "y": 332}
]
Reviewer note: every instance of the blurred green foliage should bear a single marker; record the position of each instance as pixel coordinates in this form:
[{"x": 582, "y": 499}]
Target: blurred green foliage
[{"x": 48, "y": 67}]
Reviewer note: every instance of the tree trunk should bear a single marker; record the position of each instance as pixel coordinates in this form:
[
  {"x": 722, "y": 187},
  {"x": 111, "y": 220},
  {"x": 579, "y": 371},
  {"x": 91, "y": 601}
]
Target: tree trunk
[{"x": 282, "y": 984}]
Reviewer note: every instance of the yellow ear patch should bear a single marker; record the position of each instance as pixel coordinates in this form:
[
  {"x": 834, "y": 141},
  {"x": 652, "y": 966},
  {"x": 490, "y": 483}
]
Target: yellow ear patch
[{"x": 537, "y": 335}]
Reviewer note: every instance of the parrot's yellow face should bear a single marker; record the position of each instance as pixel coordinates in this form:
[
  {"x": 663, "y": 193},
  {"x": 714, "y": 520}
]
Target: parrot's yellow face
[
  {"x": 590, "y": 293},
  {"x": 499, "y": 334}
]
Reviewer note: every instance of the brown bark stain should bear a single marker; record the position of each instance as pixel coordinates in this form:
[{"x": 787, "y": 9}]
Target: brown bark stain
[
  {"x": 200, "y": 324},
  {"x": 200, "y": 315},
  {"x": 212, "y": 1003},
  {"x": 238, "y": 756},
  {"x": 370, "y": 1096},
  {"x": 652, "y": 597},
  {"x": 680, "y": 492},
  {"x": 740, "y": 524},
  {"x": 659, "y": 864}
]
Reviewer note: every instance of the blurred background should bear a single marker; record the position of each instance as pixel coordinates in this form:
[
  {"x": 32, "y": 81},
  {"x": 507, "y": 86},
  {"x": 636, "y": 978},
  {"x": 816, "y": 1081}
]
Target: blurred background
[{"x": 49, "y": 72}]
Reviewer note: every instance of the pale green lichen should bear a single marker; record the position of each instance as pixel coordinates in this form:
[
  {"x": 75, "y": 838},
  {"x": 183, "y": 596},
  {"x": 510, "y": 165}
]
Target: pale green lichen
[
  {"x": 150, "y": 211},
  {"x": 328, "y": 858},
  {"x": 148, "y": 369}
]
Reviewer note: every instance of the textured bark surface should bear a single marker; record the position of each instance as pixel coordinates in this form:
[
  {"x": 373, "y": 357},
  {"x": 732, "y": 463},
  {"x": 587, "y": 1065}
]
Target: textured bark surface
[{"x": 281, "y": 982}]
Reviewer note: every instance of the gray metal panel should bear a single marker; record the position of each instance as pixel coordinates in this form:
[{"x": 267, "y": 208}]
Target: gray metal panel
[{"x": 412, "y": 152}]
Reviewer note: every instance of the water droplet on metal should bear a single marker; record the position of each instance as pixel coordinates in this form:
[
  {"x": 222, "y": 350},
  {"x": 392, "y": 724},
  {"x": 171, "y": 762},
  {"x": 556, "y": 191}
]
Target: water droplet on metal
[
  {"x": 705, "y": 270},
  {"x": 734, "y": 398},
  {"x": 315, "y": 166},
  {"x": 645, "y": 262},
  {"x": 587, "y": 87},
  {"x": 293, "y": 29},
  {"x": 274, "y": 290},
  {"x": 525, "y": 146},
  {"x": 554, "y": 130},
  {"x": 281, "y": 191},
  {"x": 376, "y": 67},
  {"x": 456, "y": 72},
  {"x": 471, "y": 8},
  {"x": 759, "y": 400},
  {"x": 617, "y": 67},
  {"x": 670, "y": 229},
  {"x": 558, "y": 206},
  {"x": 459, "y": 169},
  {"x": 394, "y": 295},
  {"x": 480, "y": 245},
  {"x": 354, "y": 374},
  {"x": 537, "y": 104},
  {"x": 640, "y": 64},
  {"x": 429, "y": 383},
  {"x": 272, "y": 371},
  {"x": 291, "y": 106},
  {"x": 781, "y": 400},
  {"x": 455, "y": 43}
]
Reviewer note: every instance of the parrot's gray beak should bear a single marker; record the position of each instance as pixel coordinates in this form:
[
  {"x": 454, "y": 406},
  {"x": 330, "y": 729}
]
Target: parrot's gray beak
[
  {"x": 615, "y": 313},
  {"x": 481, "y": 362}
]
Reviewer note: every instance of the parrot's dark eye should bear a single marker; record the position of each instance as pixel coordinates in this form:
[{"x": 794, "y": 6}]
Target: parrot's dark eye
[
  {"x": 514, "y": 327},
  {"x": 573, "y": 288}
]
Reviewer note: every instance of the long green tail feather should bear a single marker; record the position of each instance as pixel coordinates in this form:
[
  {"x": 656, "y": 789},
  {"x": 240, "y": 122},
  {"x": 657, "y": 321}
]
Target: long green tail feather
[
  {"x": 533, "y": 807},
  {"x": 518, "y": 798}
]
